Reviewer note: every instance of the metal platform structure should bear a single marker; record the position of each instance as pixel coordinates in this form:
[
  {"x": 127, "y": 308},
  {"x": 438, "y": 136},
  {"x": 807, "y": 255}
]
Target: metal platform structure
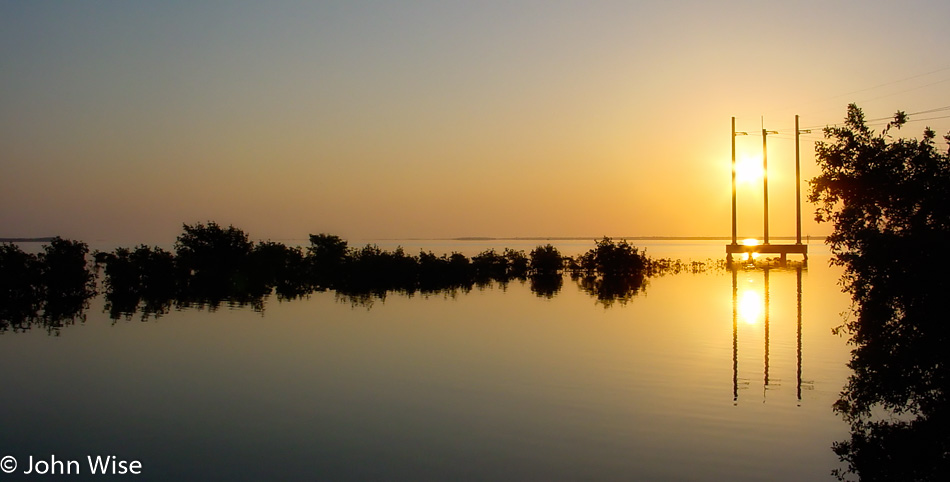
[
  {"x": 767, "y": 248},
  {"x": 781, "y": 249}
]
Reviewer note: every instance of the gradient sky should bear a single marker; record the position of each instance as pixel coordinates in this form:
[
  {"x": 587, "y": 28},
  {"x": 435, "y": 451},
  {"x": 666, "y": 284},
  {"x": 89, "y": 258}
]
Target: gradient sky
[{"x": 121, "y": 120}]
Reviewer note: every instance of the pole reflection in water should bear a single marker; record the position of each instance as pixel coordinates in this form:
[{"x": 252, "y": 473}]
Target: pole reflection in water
[
  {"x": 735, "y": 333},
  {"x": 766, "y": 385},
  {"x": 798, "y": 323},
  {"x": 750, "y": 305}
]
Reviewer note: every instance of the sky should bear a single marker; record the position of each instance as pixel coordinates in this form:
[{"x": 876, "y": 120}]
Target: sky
[{"x": 121, "y": 120}]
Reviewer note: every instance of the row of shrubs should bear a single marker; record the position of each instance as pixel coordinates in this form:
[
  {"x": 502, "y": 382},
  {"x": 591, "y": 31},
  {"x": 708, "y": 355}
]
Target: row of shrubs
[
  {"x": 211, "y": 264},
  {"x": 213, "y": 260},
  {"x": 51, "y": 287}
]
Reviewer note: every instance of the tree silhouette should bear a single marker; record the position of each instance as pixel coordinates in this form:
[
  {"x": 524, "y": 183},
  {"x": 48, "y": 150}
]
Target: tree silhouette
[
  {"x": 546, "y": 260},
  {"x": 216, "y": 262},
  {"x": 327, "y": 255},
  {"x": 20, "y": 286},
  {"x": 212, "y": 265},
  {"x": 51, "y": 288},
  {"x": 887, "y": 199},
  {"x": 143, "y": 275}
]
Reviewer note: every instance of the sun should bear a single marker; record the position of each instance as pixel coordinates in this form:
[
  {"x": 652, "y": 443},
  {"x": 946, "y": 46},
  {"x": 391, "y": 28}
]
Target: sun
[
  {"x": 748, "y": 169},
  {"x": 750, "y": 306}
]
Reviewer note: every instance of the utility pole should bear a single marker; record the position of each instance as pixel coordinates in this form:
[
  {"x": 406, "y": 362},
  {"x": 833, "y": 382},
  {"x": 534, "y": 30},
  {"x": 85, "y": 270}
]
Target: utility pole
[
  {"x": 766, "y": 246},
  {"x": 734, "y": 180},
  {"x": 798, "y": 184},
  {"x": 798, "y": 188},
  {"x": 734, "y": 223},
  {"x": 765, "y": 181}
]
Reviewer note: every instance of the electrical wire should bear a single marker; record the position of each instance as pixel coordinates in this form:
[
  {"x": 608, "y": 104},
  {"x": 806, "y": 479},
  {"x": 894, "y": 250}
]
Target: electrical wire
[
  {"x": 907, "y": 90},
  {"x": 897, "y": 82},
  {"x": 884, "y": 120},
  {"x": 878, "y": 86}
]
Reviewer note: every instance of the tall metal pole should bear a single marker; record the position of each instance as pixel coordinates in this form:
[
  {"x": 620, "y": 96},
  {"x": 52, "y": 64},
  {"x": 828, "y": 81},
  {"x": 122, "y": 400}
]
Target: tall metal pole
[
  {"x": 733, "y": 180},
  {"x": 798, "y": 188},
  {"x": 765, "y": 183}
]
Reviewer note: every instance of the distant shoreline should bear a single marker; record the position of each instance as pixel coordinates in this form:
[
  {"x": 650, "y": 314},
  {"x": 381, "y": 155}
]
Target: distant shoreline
[
  {"x": 27, "y": 240},
  {"x": 511, "y": 238},
  {"x": 629, "y": 238}
]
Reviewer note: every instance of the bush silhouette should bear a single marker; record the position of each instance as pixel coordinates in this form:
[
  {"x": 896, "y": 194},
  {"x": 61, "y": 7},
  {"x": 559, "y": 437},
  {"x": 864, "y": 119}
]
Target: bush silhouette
[
  {"x": 63, "y": 269},
  {"x": 51, "y": 288},
  {"x": 216, "y": 260},
  {"x": 212, "y": 264},
  {"x": 327, "y": 255},
  {"x": 546, "y": 260}
]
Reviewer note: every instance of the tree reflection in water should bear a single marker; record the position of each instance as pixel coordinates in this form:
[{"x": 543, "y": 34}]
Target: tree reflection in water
[{"x": 896, "y": 399}]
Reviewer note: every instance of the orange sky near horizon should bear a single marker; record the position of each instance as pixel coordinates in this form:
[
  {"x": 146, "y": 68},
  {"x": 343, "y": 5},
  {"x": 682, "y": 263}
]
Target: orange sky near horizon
[{"x": 368, "y": 120}]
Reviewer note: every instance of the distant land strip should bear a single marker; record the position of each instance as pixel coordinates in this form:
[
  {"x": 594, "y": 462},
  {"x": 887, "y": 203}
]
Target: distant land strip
[
  {"x": 27, "y": 240},
  {"x": 629, "y": 238},
  {"x": 516, "y": 238}
]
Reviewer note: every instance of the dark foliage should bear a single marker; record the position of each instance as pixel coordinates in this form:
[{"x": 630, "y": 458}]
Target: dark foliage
[
  {"x": 143, "y": 275},
  {"x": 63, "y": 270},
  {"x": 216, "y": 261},
  {"x": 613, "y": 259},
  {"x": 546, "y": 285},
  {"x": 545, "y": 260},
  {"x": 610, "y": 289},
  {"x": 443, "y": 272},
  {"x": 544, "y": 265},
  {"x": 887, "y": 199},
  {"x": 20, "y": 286},
  {"x": 212, "y": 265},
  {"x": 51, "y": 289},
  {"x": 517, "y": 264},
  {"x": 492, "y": 266},
  {"x": 611, "y": 271},
  {"x": 283, "y": 268},
  {"x": 327, "y": 255},
  {"x": 373, "y": 270}
]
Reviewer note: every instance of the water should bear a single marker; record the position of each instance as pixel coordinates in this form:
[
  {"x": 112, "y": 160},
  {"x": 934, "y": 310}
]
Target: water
[{"x": 497, "y": 383}]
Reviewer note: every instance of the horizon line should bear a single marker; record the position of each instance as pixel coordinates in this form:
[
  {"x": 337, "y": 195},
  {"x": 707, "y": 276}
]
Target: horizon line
[
  {"x": 595, "y": 238},
  {"x": 492, "y": 238}
]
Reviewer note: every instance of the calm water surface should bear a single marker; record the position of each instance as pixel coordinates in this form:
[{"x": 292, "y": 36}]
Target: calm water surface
[{"x": 687, "y": 381}]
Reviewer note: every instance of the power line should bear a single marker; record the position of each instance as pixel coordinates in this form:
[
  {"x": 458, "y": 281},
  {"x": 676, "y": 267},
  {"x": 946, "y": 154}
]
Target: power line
[
  {"x": 907, "y": 90},
  {"x": 897, "y": 82},
  {"x": 938, "y": 109},
  {"x": 929, "y": 118},
  {"x": 884, "y": 120},
  {"x": 878, "y": 86},
  {"x": 784, "y": 134}
]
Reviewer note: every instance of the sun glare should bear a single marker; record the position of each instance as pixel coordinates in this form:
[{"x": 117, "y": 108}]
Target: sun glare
[
  {"x": 748, "y": 169},
  {"x": 749, "y": 256},
  {"x": 750, "y": 306}
]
